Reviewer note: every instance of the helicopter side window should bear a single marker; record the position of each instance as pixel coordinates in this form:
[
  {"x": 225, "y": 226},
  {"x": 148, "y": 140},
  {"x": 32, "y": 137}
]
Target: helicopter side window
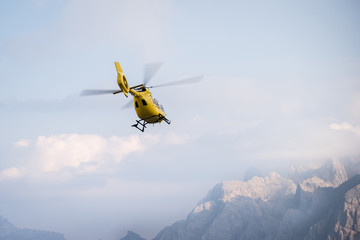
[
  {"x": 136, "y": 104},
  {"x": 155, "y": 101},
  {"x": 143, "y": 102}
]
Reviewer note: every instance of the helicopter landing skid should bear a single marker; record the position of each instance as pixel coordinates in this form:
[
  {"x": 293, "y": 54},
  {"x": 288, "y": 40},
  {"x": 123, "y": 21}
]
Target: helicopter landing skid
[
  {"x": 161, "y": 117},
  {"x": 143, "y": 122}
]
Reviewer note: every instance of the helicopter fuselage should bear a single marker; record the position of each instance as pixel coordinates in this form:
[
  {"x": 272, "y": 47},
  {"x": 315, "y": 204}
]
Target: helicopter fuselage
[{"x": 147, "y": 108}]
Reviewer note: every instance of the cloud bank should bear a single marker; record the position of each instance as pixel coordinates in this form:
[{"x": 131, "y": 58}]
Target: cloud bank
[
  {"x": 78, "y": 153},
  {"x": 346, "y": 127}
]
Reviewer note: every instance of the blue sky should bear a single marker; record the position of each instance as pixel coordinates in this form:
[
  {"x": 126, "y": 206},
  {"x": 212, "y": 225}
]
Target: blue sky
[{"x": 281, "y": 86}]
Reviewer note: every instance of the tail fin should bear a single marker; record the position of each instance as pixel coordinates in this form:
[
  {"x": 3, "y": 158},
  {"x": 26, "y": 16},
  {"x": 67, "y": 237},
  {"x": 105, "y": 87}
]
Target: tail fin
[
  {"x": 118, "y": 67},
  {"x": 121, "y": 79}
]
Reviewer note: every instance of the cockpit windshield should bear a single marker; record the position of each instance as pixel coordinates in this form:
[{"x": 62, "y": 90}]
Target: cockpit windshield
[{"x": 157, "y": 103}]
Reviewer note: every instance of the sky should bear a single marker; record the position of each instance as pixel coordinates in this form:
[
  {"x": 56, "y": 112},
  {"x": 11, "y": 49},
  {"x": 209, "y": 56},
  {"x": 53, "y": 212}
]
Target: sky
[{"x": 281, "y": 87}]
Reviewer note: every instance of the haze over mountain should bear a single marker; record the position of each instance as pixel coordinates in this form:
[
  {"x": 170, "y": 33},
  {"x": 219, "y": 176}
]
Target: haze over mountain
[
  {"x": 9, "y": 232},
  {"x": 312, "y": 203},
  {"x": 132, "y": 236}
]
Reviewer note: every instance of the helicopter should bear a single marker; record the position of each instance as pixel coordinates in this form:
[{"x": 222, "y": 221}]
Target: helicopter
[{"x": 148, "y": 109}]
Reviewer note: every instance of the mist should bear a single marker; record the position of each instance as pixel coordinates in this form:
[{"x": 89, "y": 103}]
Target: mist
[{"x": 281, "y": 88}]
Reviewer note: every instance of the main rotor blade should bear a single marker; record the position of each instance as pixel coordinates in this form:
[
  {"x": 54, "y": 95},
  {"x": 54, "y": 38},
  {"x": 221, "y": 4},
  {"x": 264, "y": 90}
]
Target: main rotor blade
[
  {"x": 128, "y": 105},
  {"x": 180, "y": 82},
  {"x": 89, "y": 92},
  {"x": 149, "y": 71}
]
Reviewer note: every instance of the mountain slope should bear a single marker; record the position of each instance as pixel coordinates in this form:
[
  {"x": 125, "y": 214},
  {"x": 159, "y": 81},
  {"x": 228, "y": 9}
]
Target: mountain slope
[
  {"x": 132, "y": 236},
  {"x": 323, "y": 204},
  {"x": 237, "y": 210},
  {"x": 9, "y": 232}
]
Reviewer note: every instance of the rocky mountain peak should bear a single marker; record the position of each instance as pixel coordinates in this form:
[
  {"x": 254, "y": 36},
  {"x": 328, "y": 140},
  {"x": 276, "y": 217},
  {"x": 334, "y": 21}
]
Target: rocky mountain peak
[
  {"x": 331, "y": 174},
  {"x": 132, "y": 236},
  {"x": 311, "y": 184},
  {"x": 264, "y": 188},
  {"x": 334, "y": 173},
  {"x": 348, "y": 221}
]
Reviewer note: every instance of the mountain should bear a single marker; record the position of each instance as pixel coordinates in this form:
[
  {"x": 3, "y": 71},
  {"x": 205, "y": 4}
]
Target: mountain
[
  {"x": 352, "y": 166},
  {"x": 132, "y": 236},
  {"x": 339, "y": 216},
  {"x": 331, "y": 174},
  {"x": 313, "y": 203},
  {"x": 9, "y": 232}
]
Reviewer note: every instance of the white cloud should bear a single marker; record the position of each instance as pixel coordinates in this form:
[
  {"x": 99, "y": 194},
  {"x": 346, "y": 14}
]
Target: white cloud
[
  {"x": 120, "y": 147},
  {"x": 345, "y": 127},
  {"x": 83, "y": 152},
  {"x": 22, "y": 143},
  {"x": 10, "y": 173},
  {"x": 68, "y": 154},
  {"x": 68, "y": 150}
]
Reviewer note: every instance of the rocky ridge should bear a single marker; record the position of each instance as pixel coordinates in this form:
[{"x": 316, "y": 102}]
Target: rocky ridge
[
  {"x": 322, "y": 202},
  {"x": 331, "y": 174}
]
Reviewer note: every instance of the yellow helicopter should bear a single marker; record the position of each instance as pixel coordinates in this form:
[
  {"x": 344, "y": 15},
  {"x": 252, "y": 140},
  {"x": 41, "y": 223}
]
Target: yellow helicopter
[{"x": 148, "y": 109}]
